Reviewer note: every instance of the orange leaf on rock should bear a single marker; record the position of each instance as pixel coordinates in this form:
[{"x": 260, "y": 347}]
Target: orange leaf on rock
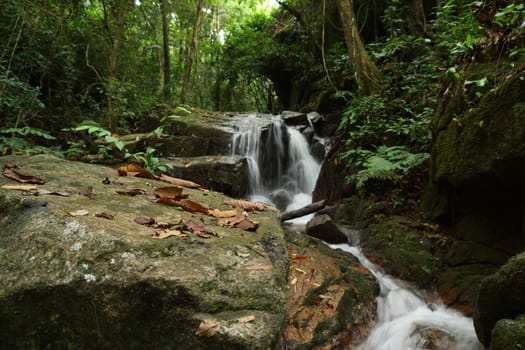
[
  {"x": 160, "y": 234},
  {"x": 199, "y": 230},
  {"x": 134, "y": 170},
  {"x": 12, "y": 174},
  {"x": 223, "y": 213},
  {"x": 186, "y": 204},
  {"x": 240, "y": 221},
  {"x": 105, "y": 216},
  {"x": 168, "y": 192},
  {"x": 180, "y": 182},
  {"x": 246, "y": 205},
  {"x": 248, "y": 225},
  {"x": 144, "y": 221},
  {"x": 206, "y": 328}
]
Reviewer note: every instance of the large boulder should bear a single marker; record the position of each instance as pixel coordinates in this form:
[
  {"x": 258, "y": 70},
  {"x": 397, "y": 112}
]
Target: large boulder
[
  {"x": 501, "y": 297},
  {"x": 322, "y": 226},
  {"x": 509, "y": 334},
  {"x": 331, "y": 297},
  {"x": 227, "y": 174},
  {"x": 478, "y": 158},
  {"x": 88, "y": 282}
]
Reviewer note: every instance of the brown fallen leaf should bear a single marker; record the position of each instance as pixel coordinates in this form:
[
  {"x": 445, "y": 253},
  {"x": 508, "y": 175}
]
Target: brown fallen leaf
[
  {"x": 174, "y": 192},
  {"x": 206, "y": 328},
  {"x": 144, "y": 221},
  {"x": 160, "y": 234},
  {"x": 19, "y": 187},
  {"x": 12, "y": 174},
  {"x": 246, "y": 319},
  {"x": 105, "y": 216},
  {"x": 80, "y": 212},
  {"x": 199, "y": 230},
  {"x": 240, "y": 221},
  {"x": 180, "y": 182},
  {"x": 186, "y": 204},
  {"x": 223, "y": 213},
  {"x": 135, "y": 170},
  {"x": 43, "y": 191},
  {"x": 88, "y": 192},
  {"x": 246, "y": 205},
  {"x": 259, "y": 267}
]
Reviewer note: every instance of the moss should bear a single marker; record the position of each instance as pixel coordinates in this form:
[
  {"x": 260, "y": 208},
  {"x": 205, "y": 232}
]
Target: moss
[{"x": 509, "y": 334}]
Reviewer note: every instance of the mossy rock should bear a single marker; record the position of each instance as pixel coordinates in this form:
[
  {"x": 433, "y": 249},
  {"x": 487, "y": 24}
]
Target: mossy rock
[
  {"x": 400, "y": 250},
  {"x": 509, "y": 334},
  {"x": 500, "y": 297}
]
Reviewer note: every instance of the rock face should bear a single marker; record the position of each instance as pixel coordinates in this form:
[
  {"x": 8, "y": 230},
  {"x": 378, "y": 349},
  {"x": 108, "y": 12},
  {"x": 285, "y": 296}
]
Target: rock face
[
  {"x": 501, "y": 297},
  {"x": 478, "y": 160},
  {"x": 224, "y": 174},
  {"x": 321, "y": 226},
  {"x": 86, "y": 282},
  {"x": 331, "y": 297}
]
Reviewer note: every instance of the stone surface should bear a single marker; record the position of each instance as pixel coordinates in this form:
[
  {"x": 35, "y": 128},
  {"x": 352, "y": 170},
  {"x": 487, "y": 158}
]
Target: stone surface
[
  {"x": 226, "y": 174},
  {"x": 321, "y": 226},
  {"x": 478, "y": 159},
  {"x": 86, "y": 282},
  {"x": 294, "y": 118},
  {"x": 331, "y": 297},
  {"x": 509, "y": 334},
  {"x": 500, "y": 297}
]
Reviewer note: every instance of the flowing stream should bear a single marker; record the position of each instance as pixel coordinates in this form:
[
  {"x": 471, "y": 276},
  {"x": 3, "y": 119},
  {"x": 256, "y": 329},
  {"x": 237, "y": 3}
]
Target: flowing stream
[{"x": 283, "y": 173}]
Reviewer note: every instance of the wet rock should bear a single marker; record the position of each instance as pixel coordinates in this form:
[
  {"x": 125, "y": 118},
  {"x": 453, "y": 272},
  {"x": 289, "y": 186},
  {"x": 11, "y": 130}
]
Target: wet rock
[
  {"x": 508, "y": 334},
  {"x": 86, "y": 282},
  {"x": 394, "y": 245},
  {"x": 229, "y": 175},
  {"x": 500, "y": 297},
  {"x": 294, "y": 118},
  {"x": 322, "y": 226},
  {"x": 281, "y": 199},
  {"x": 317, "y": 150},
  {"x": 433, "y": 339},
  {"x": 331, "y": 298}
]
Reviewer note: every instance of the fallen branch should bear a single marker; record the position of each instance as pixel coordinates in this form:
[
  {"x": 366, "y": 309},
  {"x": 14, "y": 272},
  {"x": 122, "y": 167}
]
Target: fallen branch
[{"x": 308, "y": 209}]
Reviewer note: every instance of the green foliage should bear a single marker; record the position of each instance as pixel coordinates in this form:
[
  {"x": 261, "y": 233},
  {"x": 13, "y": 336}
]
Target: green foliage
[
  {"x": 150, "y": 162},
  {"x": 22, "y": 140},
  {"x": 388, "y": 163}
]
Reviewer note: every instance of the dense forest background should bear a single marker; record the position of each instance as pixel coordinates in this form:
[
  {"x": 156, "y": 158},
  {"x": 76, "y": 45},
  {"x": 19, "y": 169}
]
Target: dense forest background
[{"x": 377, "y": 67}]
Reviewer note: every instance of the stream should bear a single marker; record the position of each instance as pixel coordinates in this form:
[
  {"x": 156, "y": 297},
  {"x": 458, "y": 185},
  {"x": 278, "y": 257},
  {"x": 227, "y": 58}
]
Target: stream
[{"x": 283, "y": 173}]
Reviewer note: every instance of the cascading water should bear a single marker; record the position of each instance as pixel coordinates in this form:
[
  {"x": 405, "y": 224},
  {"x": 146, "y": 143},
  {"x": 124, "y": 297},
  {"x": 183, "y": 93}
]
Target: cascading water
[
  {"x": 283, "y": 173},
  {"x": 406, "y": 322},
  {"x": 282, "y": 170}
]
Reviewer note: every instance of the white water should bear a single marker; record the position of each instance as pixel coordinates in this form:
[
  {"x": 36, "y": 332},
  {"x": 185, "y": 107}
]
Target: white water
[
  {"x": 282, "y": 170},
  {"x": 403, "y": 317},
  {"x": 280, "y": 164}
]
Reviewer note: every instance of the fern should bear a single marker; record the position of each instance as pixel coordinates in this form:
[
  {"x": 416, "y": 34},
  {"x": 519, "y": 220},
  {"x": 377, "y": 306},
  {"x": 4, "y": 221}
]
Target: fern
[{"x": 387, "y": 164}]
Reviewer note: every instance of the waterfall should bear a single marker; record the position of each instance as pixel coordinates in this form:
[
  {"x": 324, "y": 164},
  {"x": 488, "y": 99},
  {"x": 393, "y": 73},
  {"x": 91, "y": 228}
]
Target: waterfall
[
  {"x": 405, "y": 321},
  {"x": 282, "y": 170}
]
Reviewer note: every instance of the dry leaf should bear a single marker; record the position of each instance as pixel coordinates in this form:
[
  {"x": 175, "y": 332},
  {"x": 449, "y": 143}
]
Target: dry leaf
[
  {"x": 80, "y": 212},
  {"x": 246, "y": 319},
  {"x": 206, "y": 328},
  {"x": 167, "y": 233},
  {"x": 200, "y": 230},
  {"x": 259, "y": 267},
  {"x": 248, "y": 225},
  {"x": 42, "y": 191},
  {"x": 19, "y": 187},
  {"x": 223, "y": 213},
  {"x": 105, "y": 216},
  {"x": 12, "y": 174},
  {"x": 180, "y": 182},
  {"x": 186, "y": 204},
  {"x": 169, "y": 192},
  {"x": 230, "y": 222},
  {"x": 246, "y": 205},
  {"x": 134, "y": 170},
  {"x": 144, "y": 221}
]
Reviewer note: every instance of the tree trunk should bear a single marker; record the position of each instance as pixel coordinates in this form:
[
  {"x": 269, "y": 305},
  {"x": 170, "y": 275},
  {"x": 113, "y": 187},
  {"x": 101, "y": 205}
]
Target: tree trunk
[
  {"x": 368, "y": 76},
  {"x": 418, "y": 12},
  {"x": 192, "y": 52},
  {"x": 308, "y": 209},
  {"x": 167, "y": 61}
]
